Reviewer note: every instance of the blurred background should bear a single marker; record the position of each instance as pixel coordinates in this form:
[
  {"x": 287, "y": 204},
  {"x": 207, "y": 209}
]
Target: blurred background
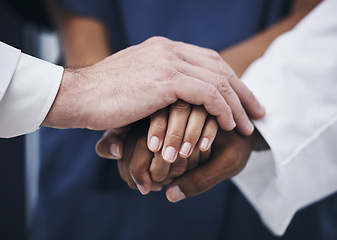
[
  {"x": 31, "y": 32},
  {"x": 104, "y": 198}
]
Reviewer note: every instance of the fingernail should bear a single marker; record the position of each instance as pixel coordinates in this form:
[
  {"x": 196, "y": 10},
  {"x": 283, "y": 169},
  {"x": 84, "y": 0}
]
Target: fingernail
[
  {"x": 154, "y": 143},
  {"x": 174, "y": 194},
  {"x": 114, "y": 150},
  {"x": 169, "y": 154},
  {"x": 185, "y": 149},
  {"x": 142, "y": 189},
  {"x": 204, "y": 144}
]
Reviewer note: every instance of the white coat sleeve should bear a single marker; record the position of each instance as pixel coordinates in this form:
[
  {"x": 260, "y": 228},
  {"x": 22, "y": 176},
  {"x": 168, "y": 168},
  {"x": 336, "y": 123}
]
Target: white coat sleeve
[
  {"x": 296, "y": 80},
  {"x": 28, "y": 87}
]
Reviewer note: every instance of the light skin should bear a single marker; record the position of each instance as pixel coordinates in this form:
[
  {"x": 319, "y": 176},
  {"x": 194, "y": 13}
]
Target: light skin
[
  {"x": 140, "y": 80},
  {"x": 86, "y": 41},
  {"x": 239, "y": 57}
]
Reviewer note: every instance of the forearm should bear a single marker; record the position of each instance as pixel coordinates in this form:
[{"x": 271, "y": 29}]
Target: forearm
[
  {"x": 240, "y": 56},
  {"x": 84, "y": 40}
]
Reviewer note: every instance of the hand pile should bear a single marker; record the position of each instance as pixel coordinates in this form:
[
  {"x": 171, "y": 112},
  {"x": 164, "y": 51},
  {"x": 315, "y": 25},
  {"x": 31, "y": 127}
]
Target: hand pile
[
  {"x": 157, "y": 77},
  {"x": 183, "y": 149}
]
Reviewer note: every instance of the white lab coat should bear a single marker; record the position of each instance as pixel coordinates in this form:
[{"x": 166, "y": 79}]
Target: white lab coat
[
  {"x": 296, "y": 80},
  {"x": 28, "y": 87}
]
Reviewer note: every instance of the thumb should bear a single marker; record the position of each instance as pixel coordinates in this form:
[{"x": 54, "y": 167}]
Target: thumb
[
  {"x": 195, "y": 182},
  {"x": 222, "y": 165},
  {"x": 110, "y": 146}
]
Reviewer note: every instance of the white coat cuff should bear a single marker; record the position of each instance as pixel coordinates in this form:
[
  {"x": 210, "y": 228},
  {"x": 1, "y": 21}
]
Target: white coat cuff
[{"x": 29, "y": 96}]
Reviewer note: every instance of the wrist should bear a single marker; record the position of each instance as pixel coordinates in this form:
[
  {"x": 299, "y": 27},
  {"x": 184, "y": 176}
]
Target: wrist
[{"x": 65, "y": 112}]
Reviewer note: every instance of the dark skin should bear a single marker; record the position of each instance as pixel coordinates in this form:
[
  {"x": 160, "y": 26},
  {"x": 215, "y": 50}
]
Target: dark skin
[{"x": 228, "y": 156}]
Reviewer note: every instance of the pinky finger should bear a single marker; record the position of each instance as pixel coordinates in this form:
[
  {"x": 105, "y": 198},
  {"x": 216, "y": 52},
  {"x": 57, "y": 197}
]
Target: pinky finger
[
  {"x": 157, "y": 130},
  {"x": 208, "y": 134}
]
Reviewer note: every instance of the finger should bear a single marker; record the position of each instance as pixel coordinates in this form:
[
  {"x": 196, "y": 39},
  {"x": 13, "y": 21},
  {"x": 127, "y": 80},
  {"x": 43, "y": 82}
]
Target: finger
[
  {"x": 225, "y": 163},
  {"x": 157, "y": 130},
  {"x": 124, "y": 163},
  {"x": 221, "y": 81},
  {"x": 110, "y": 146},
  {"x": 178, "y": 168},
  {"x": 205, "y": 156},
  {"x": 156, "y": 187},
  {"x": 208, "y": 134},
  {"x": 159, "y": 168},
  {"x": 196, "y": 181},
  {"x": 193, "y": 160},
  {"x": 247, "y": 98},
  {"x": 179, "y": 114},
  {"x": 121, "y": 171},
  {"x": 139, "y": 167},
  {"x": 199, "y": 56},
  {"x": 193, "y": 130},
  {"x": 206, "y": 94},
  {"x": 210, "y": 59}
]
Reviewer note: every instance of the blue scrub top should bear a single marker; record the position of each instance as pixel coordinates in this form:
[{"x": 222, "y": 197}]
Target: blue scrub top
[
  {"x": 215, "y": 24},
  {"x": 82, "y": 196}
]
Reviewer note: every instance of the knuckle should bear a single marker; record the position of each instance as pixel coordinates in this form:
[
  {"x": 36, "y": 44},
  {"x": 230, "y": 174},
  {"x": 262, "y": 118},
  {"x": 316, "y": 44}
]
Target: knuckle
[
  {"x": 157, "y": 39},
  {"x": 167, "y": 73},
  {"x": 164, "y": 43},
  {"x": 214, "y": 54},
  {"x": 224, "y": 85},
  {"x": 157, "y": 176},
  {"x": 211, "y": 90},
  {"x": 170, "y": 57},
  {"x": 174, "y": 136},
  {"x": 178, "y": 169}
]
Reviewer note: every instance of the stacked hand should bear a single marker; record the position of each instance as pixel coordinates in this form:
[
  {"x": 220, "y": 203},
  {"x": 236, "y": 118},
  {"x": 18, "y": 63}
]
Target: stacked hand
[
  {"x": 138, "y": 81},
  {"x": 178, "y": 151},
  {"x": 145, "y": 79}
]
